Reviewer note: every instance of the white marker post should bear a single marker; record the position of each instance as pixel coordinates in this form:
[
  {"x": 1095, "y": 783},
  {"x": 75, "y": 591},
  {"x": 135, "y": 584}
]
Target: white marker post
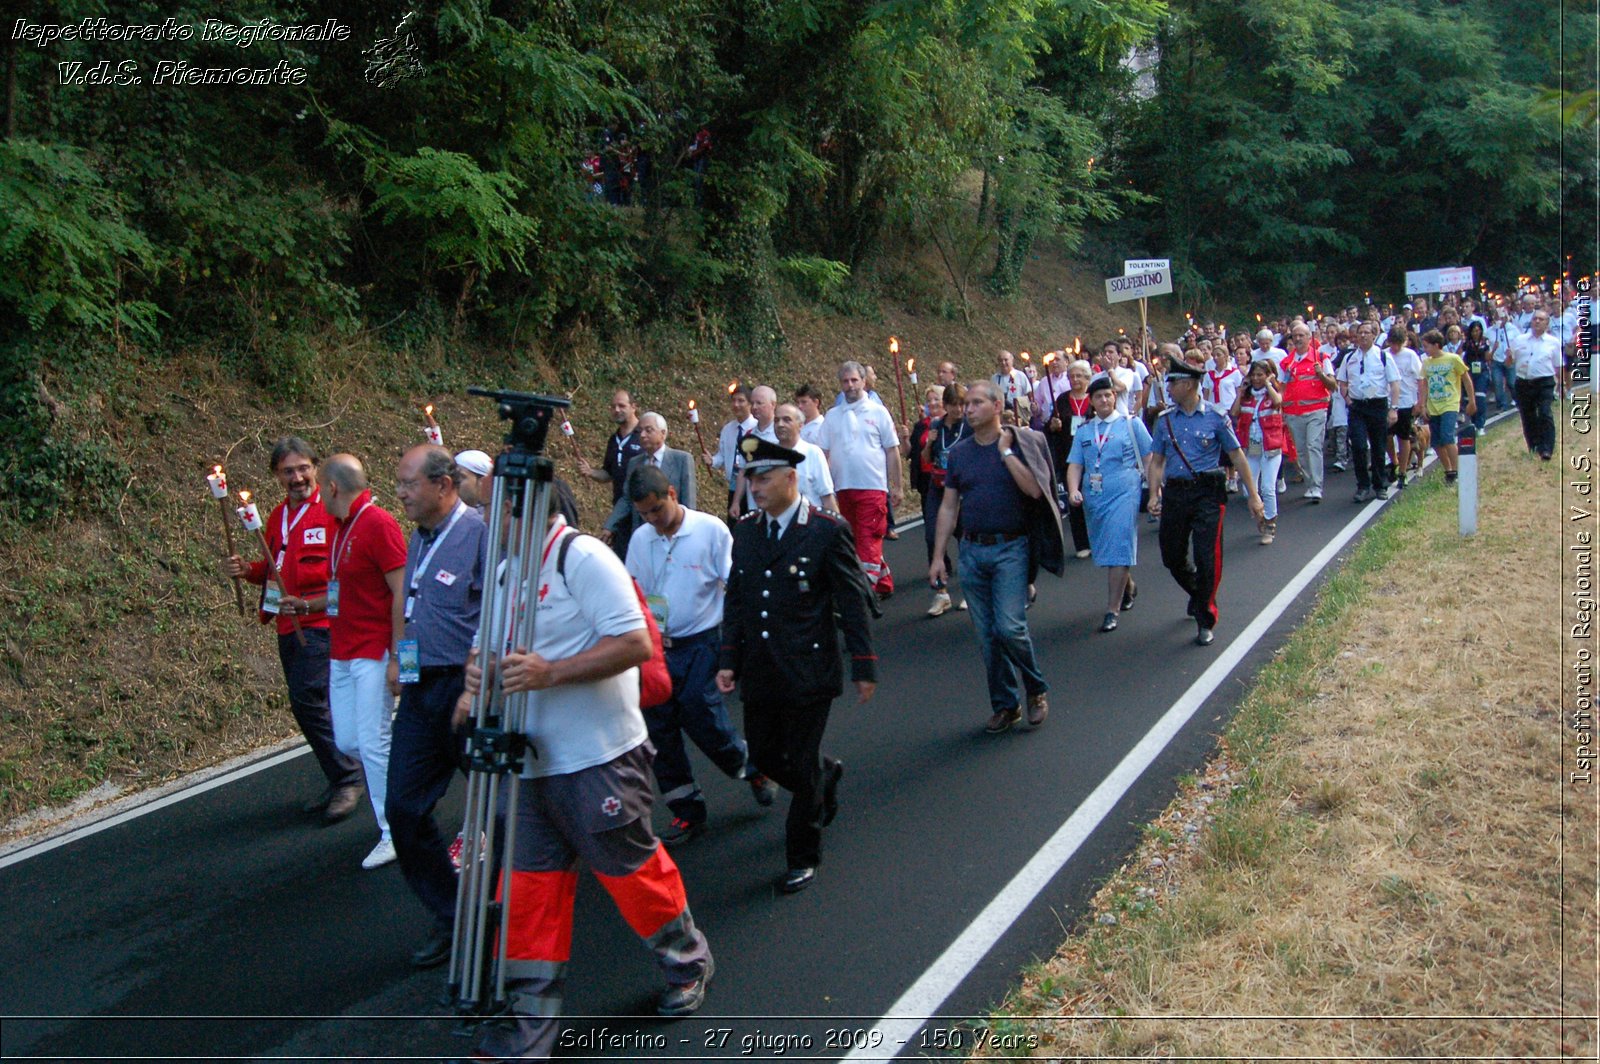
[{"x": 1467, "y": 479}]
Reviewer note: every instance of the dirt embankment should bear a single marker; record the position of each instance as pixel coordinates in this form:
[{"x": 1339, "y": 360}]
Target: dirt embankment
[{"x": 124, "y": 661}]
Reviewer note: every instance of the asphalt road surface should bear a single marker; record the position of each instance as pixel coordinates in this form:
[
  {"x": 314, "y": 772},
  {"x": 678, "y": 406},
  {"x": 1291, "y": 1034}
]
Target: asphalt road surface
[{"x": 230, "y": 925}]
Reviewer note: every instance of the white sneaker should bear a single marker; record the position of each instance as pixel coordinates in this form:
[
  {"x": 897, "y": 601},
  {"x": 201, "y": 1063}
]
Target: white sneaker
[
  {"x": 941, "y": 604},
  {"x": 1315, "y": 494},
  {"x": 963, "y": 605},
  {"x": 381, "y": 854},
  {"x": 1283, "y": 485},
  {"x": 1085, "y": 553}
]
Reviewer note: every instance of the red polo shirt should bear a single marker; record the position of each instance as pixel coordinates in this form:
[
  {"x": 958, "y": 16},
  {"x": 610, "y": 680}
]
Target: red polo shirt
[
  {"x": 300, "y": 537},
  {"x": 363, "y": 549}
]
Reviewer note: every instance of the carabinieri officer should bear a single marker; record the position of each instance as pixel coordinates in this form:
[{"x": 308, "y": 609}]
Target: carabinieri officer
[
  {"x": 794, "y": 565},
  {"x": 1190, "y": 440}
]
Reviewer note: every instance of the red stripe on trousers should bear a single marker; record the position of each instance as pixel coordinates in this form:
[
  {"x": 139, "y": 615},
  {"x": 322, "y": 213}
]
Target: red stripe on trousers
[
  {"x": 1216, "y": 563},
  {"x": 540, "y": 916},
  {"x": 651, "y": 896}
]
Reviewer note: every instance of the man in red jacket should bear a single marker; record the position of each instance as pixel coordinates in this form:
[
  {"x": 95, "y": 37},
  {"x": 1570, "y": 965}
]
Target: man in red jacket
[{"x": 300, "y": 534}]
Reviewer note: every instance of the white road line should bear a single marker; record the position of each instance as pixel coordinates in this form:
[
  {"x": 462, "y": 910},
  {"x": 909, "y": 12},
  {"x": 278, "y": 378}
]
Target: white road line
[
  {"x": 185, "y": 792},
  {"x": 919, "y": 1003}
]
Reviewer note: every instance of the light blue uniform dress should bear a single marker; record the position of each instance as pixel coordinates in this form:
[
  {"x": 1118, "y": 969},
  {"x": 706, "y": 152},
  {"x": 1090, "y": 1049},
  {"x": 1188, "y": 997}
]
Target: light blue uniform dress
[{"x": 1115, "y": 450}]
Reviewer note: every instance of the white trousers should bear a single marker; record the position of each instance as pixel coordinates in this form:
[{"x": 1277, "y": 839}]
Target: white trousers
[{"x": 362, "y": 708}]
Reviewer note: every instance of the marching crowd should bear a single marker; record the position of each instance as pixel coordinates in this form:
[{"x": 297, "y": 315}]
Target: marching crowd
[{"x": 755, "y": 592}]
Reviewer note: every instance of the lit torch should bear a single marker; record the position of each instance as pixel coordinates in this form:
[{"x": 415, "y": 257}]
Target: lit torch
[
  {"x": 250, "y": 518},
  {"x": 431, "y": 429},
  {"x": 217, "y": 480},
  {"x": 911, "y": 368},
  {"x": 572, "y": 437},
  {"x": 694, "y": 419}
]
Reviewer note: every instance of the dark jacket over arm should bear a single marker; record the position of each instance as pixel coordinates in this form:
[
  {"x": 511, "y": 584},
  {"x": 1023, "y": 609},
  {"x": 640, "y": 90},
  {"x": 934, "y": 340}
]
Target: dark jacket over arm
[{"x": 1045, "y": 541}]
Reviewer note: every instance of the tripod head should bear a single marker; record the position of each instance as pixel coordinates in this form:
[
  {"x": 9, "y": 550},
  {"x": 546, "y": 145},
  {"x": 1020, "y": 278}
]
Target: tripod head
[{"x": 530, "y": 416}]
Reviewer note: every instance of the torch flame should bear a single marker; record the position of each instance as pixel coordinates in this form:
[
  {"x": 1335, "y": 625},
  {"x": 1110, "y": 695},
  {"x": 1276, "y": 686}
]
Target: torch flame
[
  {"x": 1049, "y": 358},
  {"x": 428, "y": 410},
  {"x": 733, "y": 385},
  {"x": 1025, "y": 356},
  {"x": 911, "y": 365},
  {"x": 244, "y": 498},
  {"x": 217, "y": 470},
  {"x": 894, "y": 346},
  {"x": 1077, "y": 345},
  {"x": 691, "y": 404}
]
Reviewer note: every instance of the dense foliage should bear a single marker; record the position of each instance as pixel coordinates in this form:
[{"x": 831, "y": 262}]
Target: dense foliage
[{"x": 431, "y": 171}]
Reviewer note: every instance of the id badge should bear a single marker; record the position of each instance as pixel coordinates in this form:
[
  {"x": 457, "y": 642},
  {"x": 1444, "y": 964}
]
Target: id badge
[
  {"x": 658, "y": 609},
  {"x": 1477, "y": 368},
  {"x": 411, "y": 601},
  {"x": 1077, "y": 423},
  {"x": 269, "y": 604},
  {"x": 1096, "y": 483},
  {"x": 409, "y": 656},
  {"x": 333, "y": 598}
]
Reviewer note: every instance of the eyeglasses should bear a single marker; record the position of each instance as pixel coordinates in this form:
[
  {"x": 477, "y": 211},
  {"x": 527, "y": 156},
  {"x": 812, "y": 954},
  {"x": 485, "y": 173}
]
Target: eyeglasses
[{"x": 411, "y": 485}]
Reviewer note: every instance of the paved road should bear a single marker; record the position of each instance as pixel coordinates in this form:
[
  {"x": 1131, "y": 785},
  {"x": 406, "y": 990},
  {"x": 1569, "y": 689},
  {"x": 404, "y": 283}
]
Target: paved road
[{"x": 228, "y": 925}]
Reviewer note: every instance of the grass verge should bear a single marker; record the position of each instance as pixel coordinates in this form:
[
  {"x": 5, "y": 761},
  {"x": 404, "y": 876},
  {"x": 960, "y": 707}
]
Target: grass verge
[{"x": 1371, "y": 865}]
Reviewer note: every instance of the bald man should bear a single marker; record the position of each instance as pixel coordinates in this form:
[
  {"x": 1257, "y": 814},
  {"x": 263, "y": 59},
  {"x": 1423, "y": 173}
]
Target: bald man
[
  {"x": 366, "y": 568},
  {"x": 763, "y": 407}
]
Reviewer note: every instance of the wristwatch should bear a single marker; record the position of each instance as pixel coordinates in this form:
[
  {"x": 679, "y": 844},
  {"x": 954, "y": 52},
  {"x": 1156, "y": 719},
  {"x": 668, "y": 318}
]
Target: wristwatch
[{"x": 1007, "y": 453}]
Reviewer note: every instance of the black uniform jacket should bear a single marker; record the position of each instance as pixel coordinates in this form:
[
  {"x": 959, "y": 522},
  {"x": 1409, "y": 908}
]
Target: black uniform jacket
[{"x": 778, "y": 631}]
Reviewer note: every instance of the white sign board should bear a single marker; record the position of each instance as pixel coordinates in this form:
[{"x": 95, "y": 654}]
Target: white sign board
[
  {"x": 1448, "y": 279},
  {"x": 1133, "y": 266},
  {"x": 1139, "y": 285}
]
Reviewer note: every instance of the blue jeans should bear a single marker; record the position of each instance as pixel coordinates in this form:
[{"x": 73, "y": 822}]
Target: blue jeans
[
  {"x": 696, "y": 710},
  {"x": 424, "y": 753},
  {"x": 1504, "y": 375},
  {"x": 995, "y": 581}
]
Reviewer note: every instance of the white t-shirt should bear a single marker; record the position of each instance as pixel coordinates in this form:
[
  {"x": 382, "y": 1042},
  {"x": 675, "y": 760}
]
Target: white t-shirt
[
  {"x": 580, "y": 725},
  {"x": 727, "y": 456},
  {"x": 855, "y": 437},
  {"x": 689, "y": 571},
  {"x": 1016, "y": 386},
  {"x": 811, "y": 431},
  {"x": 813, "y": 476},
  {"x": 1221, "y": 388},
  {"x": 1409, "y": 364}
]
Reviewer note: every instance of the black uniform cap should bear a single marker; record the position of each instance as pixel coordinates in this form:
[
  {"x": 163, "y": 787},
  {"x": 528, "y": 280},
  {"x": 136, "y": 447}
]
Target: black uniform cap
[
  {"x": 762, "y": 455},
  {"x": 1177, "y": 367}
]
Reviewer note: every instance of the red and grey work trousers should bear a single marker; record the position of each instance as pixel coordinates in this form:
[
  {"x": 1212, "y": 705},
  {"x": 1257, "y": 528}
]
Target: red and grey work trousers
[{"x": 600, "y": 815}]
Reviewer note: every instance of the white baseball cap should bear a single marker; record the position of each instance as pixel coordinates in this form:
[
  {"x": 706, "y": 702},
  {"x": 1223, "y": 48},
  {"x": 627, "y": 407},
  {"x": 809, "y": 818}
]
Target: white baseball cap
[{"x": 475, "y": 462}]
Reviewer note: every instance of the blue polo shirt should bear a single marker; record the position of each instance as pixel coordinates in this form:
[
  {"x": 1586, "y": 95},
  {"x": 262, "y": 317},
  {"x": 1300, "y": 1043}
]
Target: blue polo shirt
[
  {"x": 443, "y": 587},
  {"x": 1206, "y": 436}
]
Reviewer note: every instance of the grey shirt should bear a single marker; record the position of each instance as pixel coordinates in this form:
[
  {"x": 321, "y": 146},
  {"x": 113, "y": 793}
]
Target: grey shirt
[{"x": 444, "y": 587}]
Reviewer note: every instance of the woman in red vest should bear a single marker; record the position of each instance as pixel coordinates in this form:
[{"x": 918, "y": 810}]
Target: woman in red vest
[{"x": 1258, "y": 410}]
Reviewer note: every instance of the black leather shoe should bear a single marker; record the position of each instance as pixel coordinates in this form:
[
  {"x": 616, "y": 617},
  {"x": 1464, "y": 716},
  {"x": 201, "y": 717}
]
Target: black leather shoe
[
  {"x": 1109, "y": 624},
  {"x": 1204, "y": 638},
  {"x": 833, "y": 772},
  {"x": 1129, "y": 593},
  {"x": 435, "y": 951},
  {"x": 796, "y": 880}
]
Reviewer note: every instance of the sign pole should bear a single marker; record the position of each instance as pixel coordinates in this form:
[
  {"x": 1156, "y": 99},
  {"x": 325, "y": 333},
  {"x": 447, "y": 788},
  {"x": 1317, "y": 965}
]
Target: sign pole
[{"x": 1144, "y": 330}]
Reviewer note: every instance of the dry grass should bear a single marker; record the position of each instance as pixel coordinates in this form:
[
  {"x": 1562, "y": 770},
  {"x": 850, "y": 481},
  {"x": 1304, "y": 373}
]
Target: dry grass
[
  {"x": 122, "y": 661},
  {"x": 1378, "y": 869}
]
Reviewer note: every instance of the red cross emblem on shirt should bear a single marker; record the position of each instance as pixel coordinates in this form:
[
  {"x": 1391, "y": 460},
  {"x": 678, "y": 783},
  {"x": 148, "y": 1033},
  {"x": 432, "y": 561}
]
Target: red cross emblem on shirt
[
  {"x": 610, "y": 807},
  {"x": 543, "y": 591}
]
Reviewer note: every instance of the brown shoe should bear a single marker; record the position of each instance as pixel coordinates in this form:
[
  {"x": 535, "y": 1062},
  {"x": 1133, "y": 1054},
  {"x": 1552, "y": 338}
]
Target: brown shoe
[
  {"x": 1002, "y": 720},
  {"x": 344, "y": 802},
  {"x": 1038, "y": 709}
]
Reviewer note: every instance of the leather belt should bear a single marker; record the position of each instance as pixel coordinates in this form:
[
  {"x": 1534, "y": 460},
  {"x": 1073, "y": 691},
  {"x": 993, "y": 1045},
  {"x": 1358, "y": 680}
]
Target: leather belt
[{"x": 989, "y": 539}]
